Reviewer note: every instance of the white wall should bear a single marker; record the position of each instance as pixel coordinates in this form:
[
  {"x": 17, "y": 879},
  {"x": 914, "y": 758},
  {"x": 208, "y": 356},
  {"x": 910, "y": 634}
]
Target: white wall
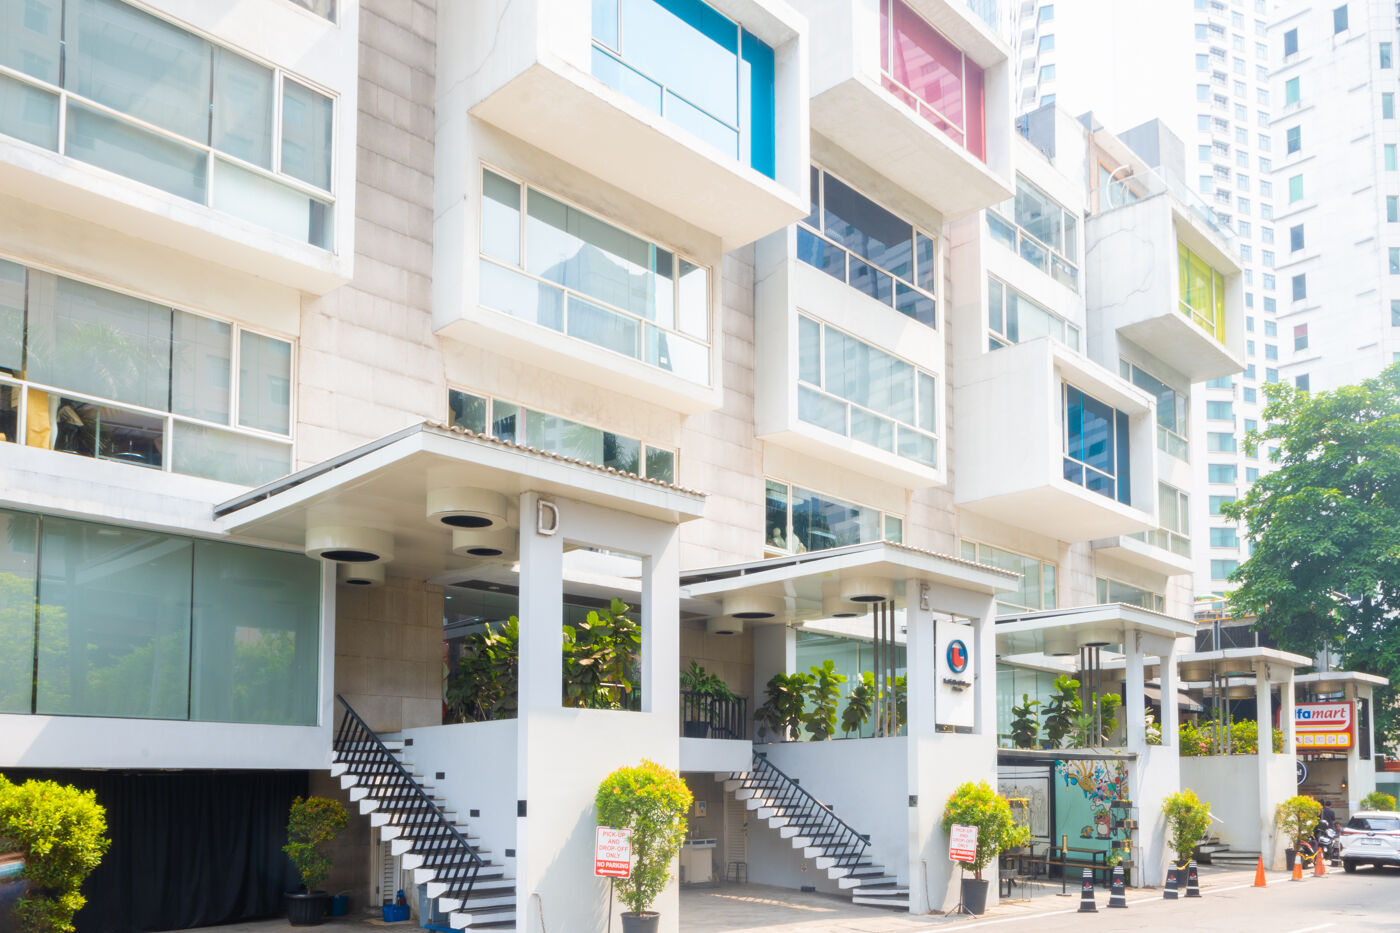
[{"x": 1230, "y": 784}]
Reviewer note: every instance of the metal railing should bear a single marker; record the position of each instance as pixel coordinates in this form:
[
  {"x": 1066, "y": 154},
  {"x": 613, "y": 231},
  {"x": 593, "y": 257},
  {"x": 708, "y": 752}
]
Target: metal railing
[
  {"x": 704, "y": 716},
  {"x": 453, "y": 859},
  {"x": 839, "y": 839}
]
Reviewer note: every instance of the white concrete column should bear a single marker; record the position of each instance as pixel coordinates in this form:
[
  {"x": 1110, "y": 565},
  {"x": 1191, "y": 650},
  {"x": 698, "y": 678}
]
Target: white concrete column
[
  {"x": 1367, "y": 774},
  {"x": 921, "y": 660},
  {"x": 1135, "y": 684},
  {"x": 1170, "y": 683},
  {"x": 660, "y": 621},
  {"x": 984, "y": 625},
  {"x": 541, "y": 613},
  {"x": 1286, "y": 711},
  {"x": 774, "y": 652},
  {"x": 1264, "y": 754}
]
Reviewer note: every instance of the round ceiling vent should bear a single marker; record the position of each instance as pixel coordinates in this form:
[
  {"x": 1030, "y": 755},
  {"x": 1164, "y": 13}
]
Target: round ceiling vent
[
  {"x": 360, "y": 574},
  {"x": 834, "y": 607},
  {"x": 485, "y": 542},
  {"x": 349, "y": 544},
  {"x": 725, "y": 625},
  {"x": 753, "y": 607},
  {"x": 867, "y": 589},
  {"x": 463, "y": 507}
]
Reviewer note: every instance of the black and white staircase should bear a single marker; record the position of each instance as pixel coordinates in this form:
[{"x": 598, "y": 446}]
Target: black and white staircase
[
  {"x": 811, "y": 826},
  {"x": 471, "y": 891}
]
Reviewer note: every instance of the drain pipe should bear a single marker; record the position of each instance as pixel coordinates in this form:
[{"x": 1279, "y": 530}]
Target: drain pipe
[
  {"x": 928, "y": 896},
  {"x": 539, "y": 905}
]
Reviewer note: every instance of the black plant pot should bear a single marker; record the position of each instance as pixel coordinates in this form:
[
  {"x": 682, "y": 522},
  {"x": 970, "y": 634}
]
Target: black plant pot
[
  {"x": 974, "y": 895},
  {"x": 645, "y": 922},
  {"x": 1288, "y": 856},
  {"x": 695, "y": 729},
  {"x": 307, "y": 910}
]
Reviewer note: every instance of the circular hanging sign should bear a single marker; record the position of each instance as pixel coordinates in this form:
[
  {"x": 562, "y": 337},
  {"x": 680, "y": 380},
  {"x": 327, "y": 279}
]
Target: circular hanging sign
[
  {"x": 957, "y": 656},
  {"x": 1302, "y": 771}
]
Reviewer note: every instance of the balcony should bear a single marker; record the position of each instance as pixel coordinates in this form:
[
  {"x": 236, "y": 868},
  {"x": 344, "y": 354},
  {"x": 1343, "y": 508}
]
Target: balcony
[
  {"x": 701, "y": 113},
  {"x": 1162, "y": 274},
  {"x": 1054, "y": 444},
  {"x": 927, "y": 104},
  {"x": 848, "y": 379},
  {"x": 1157, "y": 551},
  {"x": 135, "y": 122}
]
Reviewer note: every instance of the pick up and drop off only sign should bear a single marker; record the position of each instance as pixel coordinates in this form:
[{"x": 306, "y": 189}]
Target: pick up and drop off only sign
[{"x": 612, "y": 853}]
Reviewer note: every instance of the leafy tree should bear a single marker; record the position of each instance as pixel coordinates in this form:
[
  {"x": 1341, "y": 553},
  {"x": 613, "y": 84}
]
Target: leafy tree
[
  {"x": 652, "y": 801},
  {"x": 785, "y": 698},
  {"x": 1188, "y": 818},
  {"x": 1325, "y": 571},
  {"x": 601, "y": 659},
  {"x": 1378, "y": 800},
  {"x": 1296, "y": 817},
  {"x": 974, "y": 803},
  {"x": 62, "y": 832},
  {"x": 312, "y": 824}
]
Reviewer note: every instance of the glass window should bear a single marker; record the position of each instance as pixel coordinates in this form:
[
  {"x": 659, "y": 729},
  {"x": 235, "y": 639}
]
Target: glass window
[
  {"x": 867, "y": 395},
  {"x": 306, "y": 134},
  {"x": 264, "y": 383},
  {"x": 800, "y": 520},
  {"x": 1295, "y": 238},
  {"x": 1171, "y": 409},
  {"x": 200, "y": 365},
  {"x": 242, "y": 109},
  {"x": 930, "y": 74},
  {"x": 1174, "y": 513},
  {"x": 1295, "y": 186},
  {"x": 1224, "y": 537},
  {"x": 200, "y": 450},
  {"x": 694, "y": 66},
  {"x": 1218, "y": 442},
  {"x": 254, "y": 655},
  {"x": 1047, "y": 235},
  {"x": 1217, "y": 501},
  {"x": 1300, "y": 286},
  {"x": 1385, "y": 54},
  {"x": 1036, "y": 589},
  {"x": 117, "y": 641},
  {"x": 1220, "y": 411},
  {"x": 1339, "y": 19},
  {"x": 1014, "y": 318},
  {"x": 12, "y": 289},
  {"x": 1221, "y": 569},
  {"x": 1290, "y": 91},
  {"x": 18, "y": 578},
  {"x": 1223, "y": 472},
  {"x": 1202, "y": 292},
  {"x": 1290, "y": 42},
  {"x": 1115, "y": 591},
  {"x": 1096, "y": 446}
]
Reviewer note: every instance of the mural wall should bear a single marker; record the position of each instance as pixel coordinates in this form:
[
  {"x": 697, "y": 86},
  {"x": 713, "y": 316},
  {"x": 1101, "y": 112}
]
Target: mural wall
[{"x": 1085, "y": 792}]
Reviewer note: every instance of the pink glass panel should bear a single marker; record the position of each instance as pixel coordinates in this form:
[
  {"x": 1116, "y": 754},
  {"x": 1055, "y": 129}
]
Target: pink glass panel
[
  {"x": 917, "y": 58},
  {"x": 976, "y": 112}
]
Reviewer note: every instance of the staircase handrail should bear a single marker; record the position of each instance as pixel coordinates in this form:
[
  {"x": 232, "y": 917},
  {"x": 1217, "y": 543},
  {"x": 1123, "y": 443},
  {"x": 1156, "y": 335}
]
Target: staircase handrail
[
  {"x": 399, "y": 775},
  {"x": 851, "y": 834}
]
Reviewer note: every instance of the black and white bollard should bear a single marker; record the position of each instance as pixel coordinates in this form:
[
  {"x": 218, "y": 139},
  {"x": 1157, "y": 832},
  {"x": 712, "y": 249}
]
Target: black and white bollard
[
  {"x": 1193, "y": 884},
  {"x": 1169, "y": 890},
  {"x": 1116, "y": 893},
  {"x": 1086, "y": 894}
]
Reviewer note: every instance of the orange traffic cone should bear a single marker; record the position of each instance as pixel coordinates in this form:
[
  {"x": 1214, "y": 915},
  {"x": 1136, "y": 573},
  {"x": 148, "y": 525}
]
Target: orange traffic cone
[
  {"x": 1319, "y": 864},
  {"x": 1297, "y": 867},
  {"x": 1259, "y": 881}
]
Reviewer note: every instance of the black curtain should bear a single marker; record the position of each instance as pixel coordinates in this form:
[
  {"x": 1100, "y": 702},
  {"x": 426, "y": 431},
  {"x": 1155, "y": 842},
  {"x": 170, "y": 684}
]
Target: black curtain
[{"x": 189, "y": 848}]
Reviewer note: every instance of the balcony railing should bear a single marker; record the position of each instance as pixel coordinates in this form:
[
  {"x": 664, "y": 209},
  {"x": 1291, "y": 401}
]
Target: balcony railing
[
  {"x": 1166, "y": 540},
  {"x": 1205, "y": 323},
  {"x": 704, "y": 716},
  {"x": 1032, "y": 250}
]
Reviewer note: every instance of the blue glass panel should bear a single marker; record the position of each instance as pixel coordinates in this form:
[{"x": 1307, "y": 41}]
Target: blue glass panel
[
  {"x": 814, "y": 219},
  {"x": 1074, "y": 426},
  {"x": 1098, "y": 434},
  {"x": 928, "y": 269},
  {"x": 815, "y": 251},
  {"x": 619, "y": 77},
  {"x": 1124, "y": 474},
  {"x": 867, "y": 229},
  {"x": 698, "y": 122},
  {"x": 921, "y": 448},
  {"x": 872, "y": 429},
  {"x": 605, "y": 328},
  {"x": 1074, "y": 471},
  {"x": 756, "y": 74},
  {"x": 915, "y": 304},
  {"x": 605, "y": 22},
  {"x": 822, "y": 410},
  {"x": 28, "y": 113},
  {"x": 1101, "y": 483},
  {"x": 873, "y": 282},
  {"x": 687, "y": 46}
]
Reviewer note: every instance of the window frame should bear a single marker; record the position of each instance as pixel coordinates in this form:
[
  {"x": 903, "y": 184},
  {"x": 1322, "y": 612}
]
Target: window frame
[
  {"x": 1056, "y": 257},
  {"x": 771, "y": 550}
]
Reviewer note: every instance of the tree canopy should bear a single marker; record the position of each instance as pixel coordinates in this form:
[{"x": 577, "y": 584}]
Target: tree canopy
[{"x": 1325, "y": 569}]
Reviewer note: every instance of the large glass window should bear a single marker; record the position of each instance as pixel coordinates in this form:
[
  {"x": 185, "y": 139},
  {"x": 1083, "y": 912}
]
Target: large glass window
[
  {"x": 587, "y": 278},
  {"x": 872, "y": 249},
  {"x": 1036, "y": 589},
  {"x": 1202, "y": 293},
  {"x": 519, "y": 425},
  {"x": 694, "y": 66},
  {"x": 801, "y": 520},
  {"x": 98, "y": 373},
  {"x": 1116, "y": 591},
  {"x": 1096, "y": 446},
  {"x": 932, "y": 76},
  {"x": 1173, "y": 513},
  {"x": 849, "y": 387},
  {"x": 1012, "y": 318},
  {"x": 147, "y": 99},
  {"x": 1040, "y": 230},
  {"x": 135, "y": 624},
  {"x": 1171, "y": 409}
]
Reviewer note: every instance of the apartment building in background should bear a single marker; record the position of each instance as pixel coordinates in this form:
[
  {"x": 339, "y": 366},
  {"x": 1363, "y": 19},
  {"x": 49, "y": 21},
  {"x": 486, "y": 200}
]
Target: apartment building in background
[
  {"x": 1207, "y": 75},
  {"x": 332, "y": 333}
]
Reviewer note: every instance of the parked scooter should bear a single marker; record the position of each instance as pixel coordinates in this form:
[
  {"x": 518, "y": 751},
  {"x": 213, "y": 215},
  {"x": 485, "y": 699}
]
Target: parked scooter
[{"x": 1325, "y": 840}]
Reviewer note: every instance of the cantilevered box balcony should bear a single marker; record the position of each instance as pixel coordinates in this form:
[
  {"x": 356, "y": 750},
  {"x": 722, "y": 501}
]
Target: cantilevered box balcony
[
  {"x": 699, "y": 109},
  {"x": 1053, "y": 443},
  {"x": 1162, "y": 274},
  {"x": 1158, "y": 551},
  {"x": 919, "y": 90},
  {"x": 842, "y": 376}
]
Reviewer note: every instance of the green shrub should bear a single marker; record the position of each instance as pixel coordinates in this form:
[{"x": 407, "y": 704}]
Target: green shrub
[
  {"x": 311, "y": 825},
  {"x": 785, "y": 698},
  {"x": 859, "y": 704},
  {"x": 1296, "y": 818},
  {"x": 61, "y": 832},
  {"x": 1376, "y": 800},
  {"x": 825, "y": 691},
  {"x": 652, "y": 801},
  {"x": 1188, "y": 818},
  {"x": 1025, "y": 723},
  {"x": 974, "y": 803},
  {"x": 1062, "y": 710}
]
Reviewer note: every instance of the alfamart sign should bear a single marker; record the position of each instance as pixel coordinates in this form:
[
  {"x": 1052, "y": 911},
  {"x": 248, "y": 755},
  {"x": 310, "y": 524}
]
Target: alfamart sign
[{"x": 1323, "y": 727}]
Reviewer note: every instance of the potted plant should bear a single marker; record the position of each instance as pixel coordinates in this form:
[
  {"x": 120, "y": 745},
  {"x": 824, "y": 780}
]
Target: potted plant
[
  {"x": 859, "y": 705},
  {"x": 1187, "y": 818},
  {"x": 1377, "y": 800},
  {"x": 652, "y": 801},
  {"x": 825, "y": 690},
  {"x": 1060, "y": 712},
  {"x": 1295, "y": 818},
  {"x": 785, "y": 698},
  {"x": 707, "y": 688},
  {"x": 311, "y": 825},
  {"x": 1025, "y": 723},
  {"x": 974, "y": 803},
  {"x": 58, "y": 833}
]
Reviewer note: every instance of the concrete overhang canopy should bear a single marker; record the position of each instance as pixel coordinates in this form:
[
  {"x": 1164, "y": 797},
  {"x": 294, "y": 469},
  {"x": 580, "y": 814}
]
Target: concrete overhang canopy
[
  {"x": 384, "y": 485},
  {"x": 1064, "y": 631},
  {"x": 1331, "y": 681},
  {"x": 798, "y": 580}
]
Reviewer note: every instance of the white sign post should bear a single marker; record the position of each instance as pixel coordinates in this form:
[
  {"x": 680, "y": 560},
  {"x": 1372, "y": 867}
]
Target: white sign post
[{"x": 612, "y": 859}]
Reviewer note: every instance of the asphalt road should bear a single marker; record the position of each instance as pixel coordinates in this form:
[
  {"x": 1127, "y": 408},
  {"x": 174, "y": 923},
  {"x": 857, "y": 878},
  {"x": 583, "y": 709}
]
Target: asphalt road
[{"x": 1368, "y": 900}]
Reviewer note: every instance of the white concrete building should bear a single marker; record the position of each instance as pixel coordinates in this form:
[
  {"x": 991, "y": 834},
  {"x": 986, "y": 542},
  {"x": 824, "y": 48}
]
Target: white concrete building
[
  {"x": 1206, "y": 75},
  {"x": 335, "y": 336}
]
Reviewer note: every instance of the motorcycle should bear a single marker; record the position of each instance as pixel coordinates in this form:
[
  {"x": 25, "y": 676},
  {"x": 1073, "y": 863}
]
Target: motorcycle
[{"x": 1325, "y": 840}]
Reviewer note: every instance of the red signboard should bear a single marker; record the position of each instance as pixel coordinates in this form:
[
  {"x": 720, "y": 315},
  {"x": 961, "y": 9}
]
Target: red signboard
[
  {"x": 1323, "y": 727},
  {"x": 612, "y": 853}
]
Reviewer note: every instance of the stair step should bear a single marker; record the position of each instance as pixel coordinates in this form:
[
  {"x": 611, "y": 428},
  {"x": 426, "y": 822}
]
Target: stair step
[
  {"x": 894, "y": 903},
  {"x": 479, "y": 900},
  {"x": 474, "y": 919},
  {"x": 428, "y": 873}
]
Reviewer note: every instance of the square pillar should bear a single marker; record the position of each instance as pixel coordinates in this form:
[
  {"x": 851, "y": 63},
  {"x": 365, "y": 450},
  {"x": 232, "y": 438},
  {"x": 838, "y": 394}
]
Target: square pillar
[
  {"x": 1264, "y": 755},
  {"x": 660, "y": 623},
  {"x": 984, "y": 624},
  {"x": 1135, "y": 684},
  {"x": 1170, "y": 684},
  {"x": 541, "y": 613}
]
